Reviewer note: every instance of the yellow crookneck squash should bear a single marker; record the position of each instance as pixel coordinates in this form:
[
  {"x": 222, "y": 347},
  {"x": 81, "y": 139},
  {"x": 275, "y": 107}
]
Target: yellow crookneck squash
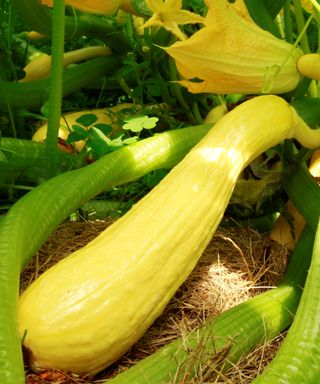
[{"x": 89, "y": 309}]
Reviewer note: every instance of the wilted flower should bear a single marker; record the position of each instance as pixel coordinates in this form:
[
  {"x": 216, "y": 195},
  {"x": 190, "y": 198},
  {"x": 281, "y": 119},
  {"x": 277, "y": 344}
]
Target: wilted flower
[{"x": 231, "y": 54}]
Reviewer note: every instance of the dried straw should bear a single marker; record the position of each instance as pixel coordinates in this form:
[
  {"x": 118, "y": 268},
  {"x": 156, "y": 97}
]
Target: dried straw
[{"x": 237, "y": 264}]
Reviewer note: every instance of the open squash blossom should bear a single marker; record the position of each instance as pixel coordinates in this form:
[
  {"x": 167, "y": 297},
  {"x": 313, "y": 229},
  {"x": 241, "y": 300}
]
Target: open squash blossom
[
  {"x": 231, "y": 54},
  {"x": 103, "y": 7},
  {"x": 169, "y": 14}
]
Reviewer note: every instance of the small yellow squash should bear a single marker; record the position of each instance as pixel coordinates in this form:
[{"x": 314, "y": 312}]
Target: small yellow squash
[
  {"x": 104, "y": 116},
  {"x": 89, "y": 309},
  {"x": 40, "y": 67}
]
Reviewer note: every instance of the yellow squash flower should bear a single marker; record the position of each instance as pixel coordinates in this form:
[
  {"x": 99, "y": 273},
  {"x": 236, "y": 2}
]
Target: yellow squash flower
[
  {"x": 103, "y": 7},
  {"x": 169, "y": 14},
  {"x": 231, "y": 54}
]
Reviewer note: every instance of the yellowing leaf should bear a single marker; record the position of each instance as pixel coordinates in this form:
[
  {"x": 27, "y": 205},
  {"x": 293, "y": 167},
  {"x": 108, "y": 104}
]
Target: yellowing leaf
[
  {"x": 103, "y": 7},
  {"x": 169, "y": 14},
  {"x": 231, "y": 54},
  {"x": 307, "y": 5}
]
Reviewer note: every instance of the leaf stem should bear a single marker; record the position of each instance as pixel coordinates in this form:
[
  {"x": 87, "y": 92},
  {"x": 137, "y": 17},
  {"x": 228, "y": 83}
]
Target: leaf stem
[
  {"x": 301, "y": 25},
  {"x": 177, "y": 92}
]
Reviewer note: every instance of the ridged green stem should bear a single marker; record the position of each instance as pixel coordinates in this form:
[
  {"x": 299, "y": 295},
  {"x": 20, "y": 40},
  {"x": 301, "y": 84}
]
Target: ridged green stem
[
  {"x": 55, "y": 97},
  {"x": 30, "y": 221},
  {"x": 298, "y": 360}
]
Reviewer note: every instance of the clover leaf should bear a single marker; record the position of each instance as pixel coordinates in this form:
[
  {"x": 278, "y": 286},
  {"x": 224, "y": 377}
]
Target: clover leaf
[{"x": 138, "y": 123}]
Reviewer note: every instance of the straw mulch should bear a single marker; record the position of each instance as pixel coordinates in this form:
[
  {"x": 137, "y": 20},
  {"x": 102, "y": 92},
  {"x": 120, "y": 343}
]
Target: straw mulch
[{"x": 237, "y": 264}]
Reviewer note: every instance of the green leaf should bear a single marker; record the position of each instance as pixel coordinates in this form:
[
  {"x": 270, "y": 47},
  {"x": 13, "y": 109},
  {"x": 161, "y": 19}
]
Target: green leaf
[
  {"x": 87, "y": 119},
  {"x": 80, "y": 130},
  {"x": 73, "y": 137},
  {"x": 45, "y": 109},
  {"x": 78, "y": 133},
  {"x": 274, "y": 7},
  {"x": 154, "y": 88},
  {"x": 116, "y": 143},
  {"x": 97, "y": 134},
  {"x": 150, "y": 123},
  {"x": 153, "y": 178},
  {"x": 98, "y": 142},
  {"x": 308, "y": 109},
  {"x": 104, "y": 128},
  {"x": 137, "y": 124},
  {"x": 261, "y": 15}
]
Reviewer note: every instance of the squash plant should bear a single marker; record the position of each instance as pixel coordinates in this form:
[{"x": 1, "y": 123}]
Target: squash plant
[{"x": 139, "y": 68}]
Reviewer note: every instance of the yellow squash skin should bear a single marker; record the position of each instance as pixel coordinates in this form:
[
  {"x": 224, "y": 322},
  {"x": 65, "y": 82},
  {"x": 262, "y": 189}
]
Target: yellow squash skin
[
  {"x": 89, "y": 309},
  {"x": 40, "y": 68},
  {"x": 104, "y": 116}
]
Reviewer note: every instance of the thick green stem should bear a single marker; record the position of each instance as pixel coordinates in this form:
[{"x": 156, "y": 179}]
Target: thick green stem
[
  {"x": 55, "y": 98},
  {"x": 298, "y": 359}
]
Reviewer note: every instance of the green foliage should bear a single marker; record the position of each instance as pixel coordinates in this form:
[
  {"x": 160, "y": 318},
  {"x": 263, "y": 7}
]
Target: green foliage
[
  {"x": 87, "y": 119},
  {"x": 100, "y": 138}
]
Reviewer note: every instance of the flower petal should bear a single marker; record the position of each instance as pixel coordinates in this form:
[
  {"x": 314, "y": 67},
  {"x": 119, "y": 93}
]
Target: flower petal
[
  {"x": 233, "y": 55},
  {"x": 168, "y": 14},
  {"x": 104, "y": 7}
]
